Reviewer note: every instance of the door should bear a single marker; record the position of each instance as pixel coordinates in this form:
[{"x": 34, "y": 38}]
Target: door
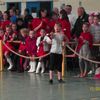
[
  {"x": 33, "y": 7},
  {"x": 47, "y": 5}
]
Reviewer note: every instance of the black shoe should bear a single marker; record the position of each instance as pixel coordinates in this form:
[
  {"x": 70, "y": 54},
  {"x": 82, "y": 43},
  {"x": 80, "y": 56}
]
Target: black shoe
[
  {"x": 13, "y": 70},
  {"x": 51, "y": 81},
  {"x": 60, "y": 81},
  {"x": 20, "y": 71}
]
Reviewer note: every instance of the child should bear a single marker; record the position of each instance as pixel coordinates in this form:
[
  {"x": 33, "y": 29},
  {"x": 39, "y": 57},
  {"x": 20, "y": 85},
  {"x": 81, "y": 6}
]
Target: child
[
  {"x": 8, "y": 36},
  {"x": 22, "y": 47},
  {"x": 20, "y": 24},
  {"x": 31, "y": 50},
  {"x": 14, "y": 28},
  {"x": 84, "y": 46},
  {"x": 90, "y": 19},
  {"x": 5, "y": 21},
  {"x": 1, "y": 34},
  {"x": 43, "y": 47},
  {"x": 58, "y": 41},
  {"x": 53, "y": 20},
  {"x": 95, "y": 30}
]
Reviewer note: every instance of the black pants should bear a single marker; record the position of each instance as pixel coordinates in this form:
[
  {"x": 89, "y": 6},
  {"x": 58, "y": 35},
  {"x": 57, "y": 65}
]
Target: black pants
[{"x": 56, "y": 62}]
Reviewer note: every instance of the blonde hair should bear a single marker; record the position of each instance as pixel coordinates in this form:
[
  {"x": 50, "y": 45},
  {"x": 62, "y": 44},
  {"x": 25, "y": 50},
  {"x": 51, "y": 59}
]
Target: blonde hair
[
  {"x": 24, "y": 31},
  {"x": 32, "y": 31}
]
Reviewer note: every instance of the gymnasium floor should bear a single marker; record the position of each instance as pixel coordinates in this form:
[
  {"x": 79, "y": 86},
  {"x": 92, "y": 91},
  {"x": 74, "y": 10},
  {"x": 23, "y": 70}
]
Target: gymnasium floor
[{"x": 17, "y": 86}]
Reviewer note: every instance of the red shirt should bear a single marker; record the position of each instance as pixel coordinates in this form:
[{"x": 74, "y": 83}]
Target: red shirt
[
  {"x": 52, "y": 24},
  {"x": 45, "y": 25},
  {"x": 3, "y": 24},
  {"x": 85, "y": 36},
  {"x": 31, "y": 48},
  {"x": 66, "y": 27}
]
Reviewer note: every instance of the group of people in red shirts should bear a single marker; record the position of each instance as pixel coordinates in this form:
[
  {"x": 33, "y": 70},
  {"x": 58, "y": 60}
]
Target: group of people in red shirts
[{"x": 39, "y": 36}]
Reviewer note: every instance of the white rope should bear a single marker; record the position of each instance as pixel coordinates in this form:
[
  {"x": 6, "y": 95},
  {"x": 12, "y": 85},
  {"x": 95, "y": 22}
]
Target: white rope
[
  {"x": 92, "y": 61},
  {"x": 26, "y": 57}
]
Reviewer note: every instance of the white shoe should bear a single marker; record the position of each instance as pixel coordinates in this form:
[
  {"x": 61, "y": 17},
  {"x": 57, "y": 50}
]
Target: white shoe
[
  {"x": 90, "y": 72},
  {"x": 42, "y": 71},
  {"x": 10, "y": 67},
  {"x": 32, "y": 67}
]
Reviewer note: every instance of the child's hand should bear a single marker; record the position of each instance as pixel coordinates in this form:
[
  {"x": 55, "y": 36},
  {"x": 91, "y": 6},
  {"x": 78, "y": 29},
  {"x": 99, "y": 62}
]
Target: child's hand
[
  {"x": 85, "y": 41},
  {"x": 51, "y": 33},
  {"x": 63, "y": 44},
  {"x": 81, "y": 37},
  {"x": 19, "y": 51},
  {"x": 32, "y": 59}
]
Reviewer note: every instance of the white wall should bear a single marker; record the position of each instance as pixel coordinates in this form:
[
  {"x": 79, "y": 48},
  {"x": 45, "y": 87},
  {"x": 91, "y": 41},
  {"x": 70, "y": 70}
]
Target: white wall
[{"x": 89, "y": 5}]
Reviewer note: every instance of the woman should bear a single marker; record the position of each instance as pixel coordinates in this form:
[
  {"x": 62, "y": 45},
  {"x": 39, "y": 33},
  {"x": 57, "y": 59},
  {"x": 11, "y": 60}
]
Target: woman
[
  {"x": 41, "y": 22},
  {"x": 66, "y": 27}
]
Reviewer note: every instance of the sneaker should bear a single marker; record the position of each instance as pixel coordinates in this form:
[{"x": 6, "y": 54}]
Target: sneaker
[{"x": 51, "y": 81}]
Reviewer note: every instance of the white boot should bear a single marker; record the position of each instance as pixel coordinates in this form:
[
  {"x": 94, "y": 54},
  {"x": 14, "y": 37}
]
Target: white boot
[
  {"x": 38, "y": 67},
  {"x": 97, "y": 71},
  {"x": 32, "y": 66},
  {"x": 43, "y": 69},
  {"x": 10, "y": 63}
]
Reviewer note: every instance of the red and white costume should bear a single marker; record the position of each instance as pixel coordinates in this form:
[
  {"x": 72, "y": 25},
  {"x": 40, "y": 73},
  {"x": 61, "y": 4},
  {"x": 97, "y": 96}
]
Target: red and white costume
[{"x": 42, "y": 48}]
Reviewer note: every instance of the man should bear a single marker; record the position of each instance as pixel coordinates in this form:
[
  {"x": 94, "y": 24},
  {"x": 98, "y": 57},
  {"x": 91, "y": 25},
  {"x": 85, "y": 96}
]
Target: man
[
  {"x": 82, "y": 17},
  {"x": 72, "y": 19}
]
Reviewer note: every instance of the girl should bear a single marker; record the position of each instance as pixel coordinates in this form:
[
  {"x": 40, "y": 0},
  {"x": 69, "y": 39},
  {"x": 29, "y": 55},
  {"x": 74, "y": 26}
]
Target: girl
[
  {"x": 5, "y": 21},
  {"x": 58, "y": 41},
  {"x": 53, "y": 20},
  {"x": 95, "y": 30},
  {"x": 8, "y": 36},
  {"x": 1, "y": 34},
  {"x": 66, "y": 27},
  {"x": 15, "y": 45},
  {"x": 22, "y": 48},
  {"x": 90, "y": 19},
  {"x": 31, "y": 50},
  {"x": 20, "y": 24},
  {"x": 14, "y": 28},
  {"x": 41, "y": 22},
  {"x": 42, "y": 48},
  {"x": 84, "y": 45}
]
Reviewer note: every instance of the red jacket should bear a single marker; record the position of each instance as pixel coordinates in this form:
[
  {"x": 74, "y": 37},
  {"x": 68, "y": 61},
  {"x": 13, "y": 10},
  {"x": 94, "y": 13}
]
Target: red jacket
[
  {"x": 66, "y": 27},
  {"x": 22, "y": 46},
  {"x": 85, "y": 36},
  {"x": 1, "y": 37},
  {"x": 52, "y": 24},
  {"x": 31, "y": 48},
  {"x": 8, "y": 38},
  {"x": 36, "y": 22},
  {"x": 3, "y": 24}
]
